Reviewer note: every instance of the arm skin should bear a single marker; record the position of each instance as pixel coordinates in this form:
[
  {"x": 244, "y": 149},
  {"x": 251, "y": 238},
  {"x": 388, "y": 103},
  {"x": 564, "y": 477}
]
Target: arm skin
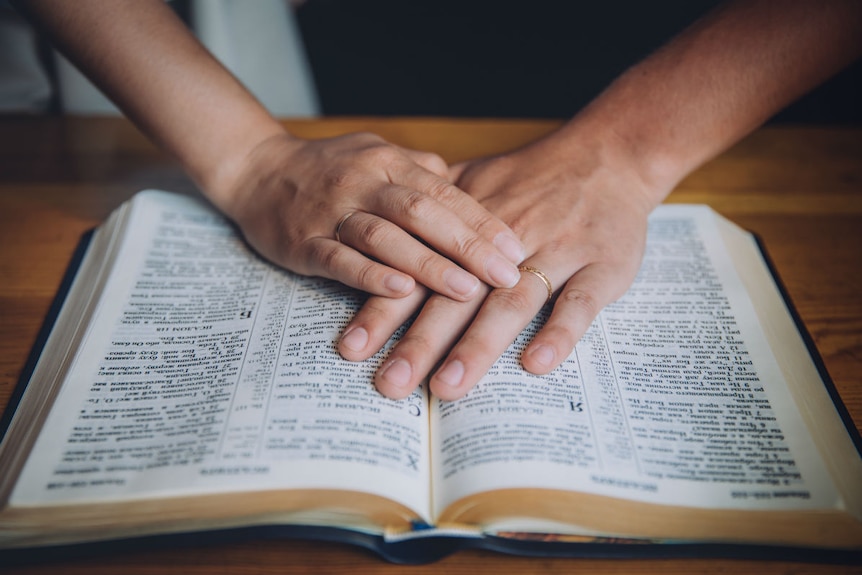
[
  {"x": 286, "y": 194},
  {"x": 579, "y": 198}
]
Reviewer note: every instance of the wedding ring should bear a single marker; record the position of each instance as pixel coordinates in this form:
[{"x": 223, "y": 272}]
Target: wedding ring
[
  {"x": 340, "y": 223},
  {"x": 538, "y": 273}
]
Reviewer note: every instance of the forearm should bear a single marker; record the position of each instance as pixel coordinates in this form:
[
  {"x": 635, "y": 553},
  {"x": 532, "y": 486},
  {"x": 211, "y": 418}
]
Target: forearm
[
  {"x": 716, "y": 82},
  {"x": 288, "y": 195},
  {"x": 580, "y": 198},
  {"x": 146, "y": 60}
]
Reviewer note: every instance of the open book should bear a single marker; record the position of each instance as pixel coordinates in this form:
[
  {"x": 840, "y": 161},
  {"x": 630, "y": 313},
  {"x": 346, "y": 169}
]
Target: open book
[{"x": 187, "y": 386}]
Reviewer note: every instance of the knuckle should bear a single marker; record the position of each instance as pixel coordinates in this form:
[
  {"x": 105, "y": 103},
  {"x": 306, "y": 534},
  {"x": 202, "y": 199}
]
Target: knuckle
[
  {"x": 381, "y": 154},
  {"x": 468, "y": 246},
  {"x": 326, "y": 255},
  {"x": 357, "y": 142},
  {"x": 366, "y": 275},
  {"x": 433, "y": 163},
  {"x": 484, "y": 223},
  {"x": 339, "y": 177},
  {"x": 426, "y": 265},
  {"x": 563, "y": 243},
  {"x": 369, "y": 138},
  {"x": 329, "y": 259},
  {"x": 375, "y": 232},
  {"x": 416, "y": 341},
  {"x": 581, "y": 300},
  {"x": 519, "y": 224},
  {"x": 510, "y": 300},
  {"x": 414, "y": 205},
  {"x": 445, "y": 191}
]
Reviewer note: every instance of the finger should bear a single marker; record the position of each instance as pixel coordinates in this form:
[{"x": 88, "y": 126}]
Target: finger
[
  {"x": 503, "y": 315},
  {"x": 330, "y": 259},
  {"x": 428, "y": 206},
  {"x": 469, "y": 210},
  {"x": 432, "y": 334},
  {"x": 381, "y": 239},
  {"x": 578, "y": 304},
  {"x": 373, "y": 325},
  {"x": 450, "y": 233}
]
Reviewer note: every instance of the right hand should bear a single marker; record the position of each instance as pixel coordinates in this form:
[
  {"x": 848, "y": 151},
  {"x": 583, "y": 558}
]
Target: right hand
[{"x": 408, "y": 223}]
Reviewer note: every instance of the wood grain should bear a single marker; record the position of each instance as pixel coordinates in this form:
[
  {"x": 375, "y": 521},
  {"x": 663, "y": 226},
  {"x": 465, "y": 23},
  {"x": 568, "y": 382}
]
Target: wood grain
[{"x": 799, "y": 189}]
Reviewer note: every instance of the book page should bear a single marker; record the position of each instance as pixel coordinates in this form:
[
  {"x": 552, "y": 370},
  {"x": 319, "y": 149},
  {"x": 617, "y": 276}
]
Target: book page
[
  {"x": 673, "y": 396},
  {"x": 206, "y": 369}
]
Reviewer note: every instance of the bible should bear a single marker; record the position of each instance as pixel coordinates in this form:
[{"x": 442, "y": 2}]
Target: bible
[{"x": 187, "y": 390}]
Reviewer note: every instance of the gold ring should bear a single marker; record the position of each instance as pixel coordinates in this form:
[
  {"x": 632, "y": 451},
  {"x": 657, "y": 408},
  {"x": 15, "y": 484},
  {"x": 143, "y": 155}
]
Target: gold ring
[
  {"x": 538, "y": 273},
  {"x": 340, "y": 223}
]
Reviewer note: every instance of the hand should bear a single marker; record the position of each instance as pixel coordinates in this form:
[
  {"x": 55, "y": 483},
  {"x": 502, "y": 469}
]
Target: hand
[
  {"x": 292, "y": 197},
  {"x": 580, "y": 198},
  {"x": 582, "y": 216},
  {"x": 289, "y": 196}
]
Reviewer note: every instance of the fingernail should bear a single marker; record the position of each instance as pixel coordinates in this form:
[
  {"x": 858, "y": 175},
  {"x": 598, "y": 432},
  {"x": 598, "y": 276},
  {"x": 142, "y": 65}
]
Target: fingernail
[
  {"x": 452, "y": 373},
  {"x": 398, "y": 283},
  {"x": 543, "y": 355},
  {"x": 356, "y": 339},
  {"x": 397, "y": 373},
  {"x": 502, "y": 272},
  {"x": 460, "y": 281},
  {"x": 511, "y": 248}
]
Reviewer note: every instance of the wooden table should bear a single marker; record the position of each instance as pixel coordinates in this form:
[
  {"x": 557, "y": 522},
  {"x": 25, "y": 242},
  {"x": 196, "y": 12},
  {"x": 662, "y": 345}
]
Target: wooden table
[{"x": 799, "y": 188}]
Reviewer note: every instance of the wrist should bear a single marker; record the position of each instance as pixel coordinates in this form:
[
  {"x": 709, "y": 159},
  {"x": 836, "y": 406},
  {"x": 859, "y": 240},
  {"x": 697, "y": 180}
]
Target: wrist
[
  {"x": 645, "y": 136},
  {"x": 226, "y": 176},
  {"x": 591, "y": 144}
]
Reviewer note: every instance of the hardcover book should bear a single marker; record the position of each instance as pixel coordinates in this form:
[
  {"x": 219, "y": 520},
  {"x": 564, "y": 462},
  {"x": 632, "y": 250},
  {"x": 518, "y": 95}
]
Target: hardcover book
[{"x": 189, "y": 390}]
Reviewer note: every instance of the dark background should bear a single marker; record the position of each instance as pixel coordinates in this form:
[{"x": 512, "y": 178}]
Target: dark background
[{"x": 479, "y": 58}]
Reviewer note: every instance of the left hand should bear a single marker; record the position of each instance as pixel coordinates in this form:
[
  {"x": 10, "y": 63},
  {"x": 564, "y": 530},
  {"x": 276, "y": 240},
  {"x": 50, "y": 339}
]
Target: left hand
[{"x": 582, "y": 217}]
